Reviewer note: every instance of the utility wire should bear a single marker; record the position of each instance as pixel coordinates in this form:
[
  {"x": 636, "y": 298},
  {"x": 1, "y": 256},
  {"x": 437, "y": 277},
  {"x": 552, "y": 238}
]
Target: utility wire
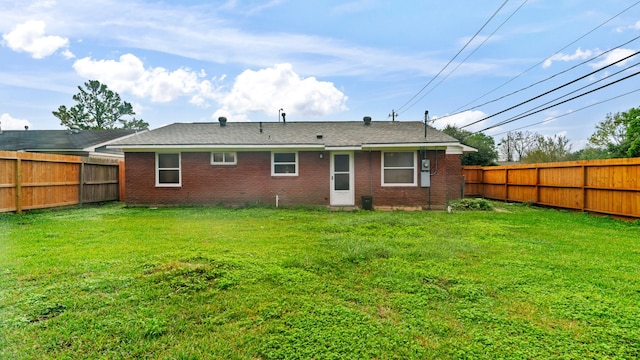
[
  {"x": 543, "y": 80},
  {"x": 550, "y": 91},
  {"x": 560, "y": 103},
  {"x": 567, "y": 114},
  {"x": 530, "y": 111},
  {"x": 450, "y": 61},
  {"x": 549, "y": 57},
  {"x": 470, "y": 54}
]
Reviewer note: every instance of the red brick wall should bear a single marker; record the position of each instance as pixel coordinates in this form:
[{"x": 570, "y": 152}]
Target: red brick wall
[
  {"x": 454, "y": 177},
  {"x": 250, "y": 181},
  {"x": 369, "y": 182}
]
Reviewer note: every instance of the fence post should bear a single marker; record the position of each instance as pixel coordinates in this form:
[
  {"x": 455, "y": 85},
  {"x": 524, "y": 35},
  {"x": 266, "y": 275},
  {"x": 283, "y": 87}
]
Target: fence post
[
  {"x": 506, "y": 184},
  {"x": 81, "y": 184},
  {"x": 584, "y": 187},
  {"x": 482, "y": 179},
  {"x": 537, "y": 199},
  {"x": 18, "y": 184}
]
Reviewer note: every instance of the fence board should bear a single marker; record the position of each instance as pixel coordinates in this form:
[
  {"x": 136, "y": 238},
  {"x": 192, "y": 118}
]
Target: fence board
[
  {"x": 601, "y": 186},
  {"x": 33, "y": 180}
]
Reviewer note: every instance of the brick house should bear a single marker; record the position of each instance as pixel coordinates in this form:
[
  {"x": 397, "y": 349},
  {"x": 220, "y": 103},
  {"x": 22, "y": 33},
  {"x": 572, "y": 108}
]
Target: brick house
[{"x": 338, "y": 164}]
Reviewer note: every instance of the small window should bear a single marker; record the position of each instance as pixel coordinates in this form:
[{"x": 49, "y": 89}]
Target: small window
[
  {"x": 223, "y": 158},
  {"x": 284, "y": 164},
  {"x": 168, "y": 169},
  {"x": 399, "y": 169}
]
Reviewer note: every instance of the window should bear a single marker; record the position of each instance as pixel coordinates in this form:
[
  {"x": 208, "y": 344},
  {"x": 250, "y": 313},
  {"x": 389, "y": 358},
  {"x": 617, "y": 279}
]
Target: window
[
  {"x": 284, "y": 164},
  {"x": 399, "y": 169},
  {"x": 168, "y": 169},
  {"x": 223, "y": 158}
]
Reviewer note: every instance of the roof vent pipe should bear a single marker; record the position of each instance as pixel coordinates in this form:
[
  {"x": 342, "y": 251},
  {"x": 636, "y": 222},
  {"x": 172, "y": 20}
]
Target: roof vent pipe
[
  {"x": 222, "y": 120},
  {"x": 367, "y": 120},
  {"x": 426, "y": 120}
]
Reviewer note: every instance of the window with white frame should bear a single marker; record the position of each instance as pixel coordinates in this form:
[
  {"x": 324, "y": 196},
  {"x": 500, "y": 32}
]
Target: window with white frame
[
  {"x": 284, "y": 163},
  {"x": 399, "y": 168},
  {"x": 224, "y": 158},
  {"x": 168, "y": 169}
]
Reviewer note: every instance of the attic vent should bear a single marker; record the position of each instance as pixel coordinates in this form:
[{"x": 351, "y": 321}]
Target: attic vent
[
  {"x": 222, "y": 120},
  {"x": 367, "y": 120},
  {"x": 74, "y": 129},
  {"x": 318, "y": 136}
]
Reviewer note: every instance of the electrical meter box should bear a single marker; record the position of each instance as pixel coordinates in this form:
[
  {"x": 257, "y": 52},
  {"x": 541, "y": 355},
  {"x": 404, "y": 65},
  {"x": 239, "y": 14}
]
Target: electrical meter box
[{"x": 425, "y": 173}]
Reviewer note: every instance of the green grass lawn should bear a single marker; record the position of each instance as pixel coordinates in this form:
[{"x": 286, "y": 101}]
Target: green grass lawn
[{"x": 260, "y": 283}]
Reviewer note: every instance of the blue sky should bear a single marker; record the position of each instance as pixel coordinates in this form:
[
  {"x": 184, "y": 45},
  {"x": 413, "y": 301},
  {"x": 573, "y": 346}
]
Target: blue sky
[{"x": 192, "y": 61}]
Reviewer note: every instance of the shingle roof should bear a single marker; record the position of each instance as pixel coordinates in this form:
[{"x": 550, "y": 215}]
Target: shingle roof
[
  {"x": 58, "y": 140},
  {"x": 307, "y": 133}
]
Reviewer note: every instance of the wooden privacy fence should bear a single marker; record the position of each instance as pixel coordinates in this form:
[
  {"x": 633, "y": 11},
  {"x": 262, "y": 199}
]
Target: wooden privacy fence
[
  {"x": 601, "y": 186},
  {"x": 33, "y": 181}
]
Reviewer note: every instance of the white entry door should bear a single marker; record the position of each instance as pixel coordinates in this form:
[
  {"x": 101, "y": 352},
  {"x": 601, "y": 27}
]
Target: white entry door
[{"x": 342, "y": 193}]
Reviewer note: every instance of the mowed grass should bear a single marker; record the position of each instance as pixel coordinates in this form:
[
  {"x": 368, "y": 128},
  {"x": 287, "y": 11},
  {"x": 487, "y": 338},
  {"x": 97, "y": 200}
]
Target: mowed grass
[{"x": 260, "y": 283}]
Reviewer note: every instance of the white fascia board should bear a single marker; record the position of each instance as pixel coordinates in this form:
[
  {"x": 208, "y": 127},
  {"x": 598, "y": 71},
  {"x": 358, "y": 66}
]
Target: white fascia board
[
  {"x": 468, "y": 149},
  {"x": 417, "y": 146},
  {"x": 106, "y": 155},
  {"x": 460, "y": 149},
  {"x": 343, "y": 148}
]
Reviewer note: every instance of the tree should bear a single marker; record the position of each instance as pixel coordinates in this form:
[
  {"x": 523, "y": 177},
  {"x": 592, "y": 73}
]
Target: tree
[
  {"x": 98, "y": 108},
  {"x": 486, "y": 155},
  {"x": 590, "y": 153},
  {"x": 548, "y": 149},
  {"x": 631, "y": 118},
  {"x": 517, "y": 143},
  {"x": 611, "y": 136}
]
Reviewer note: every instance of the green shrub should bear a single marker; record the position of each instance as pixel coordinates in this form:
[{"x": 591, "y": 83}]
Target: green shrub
[{"x": 471, "y": 204}]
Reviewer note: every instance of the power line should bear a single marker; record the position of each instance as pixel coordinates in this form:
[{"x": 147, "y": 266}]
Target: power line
[
  {"x": 567, "y": 114},
  {"x": 531, "y": 111},
  {"x": 470, "y": 54},
  {"x": 450, "y": 61},
  {"x": 550, "y": 91},
  {"x": 549, "y": 57},
  {"x": 560, "y": 103},
  {"x": 543, "y": 80}
]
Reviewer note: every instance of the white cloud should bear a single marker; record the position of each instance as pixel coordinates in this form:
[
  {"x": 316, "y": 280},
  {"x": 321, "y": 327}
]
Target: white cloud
[
  {"x": 42, "y": 4},
  {"x": 30, "y": 37},
  {"x": 251, "y": 8},
  {"x": 635, "y": 26},
  {"x": 128, "y": 74},
  {"x": 267, "y": 90},
  {"x": 464, "y": 118},
  {"x": 263, "y": 91},
  {"x": 578, "y": 55},
  {"x": 612, "y": 57},
  {"x": 10, "y": 123}
]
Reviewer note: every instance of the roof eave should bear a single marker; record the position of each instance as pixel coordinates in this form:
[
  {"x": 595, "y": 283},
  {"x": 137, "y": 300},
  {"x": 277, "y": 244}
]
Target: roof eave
[{"x": 209, "y": 147}]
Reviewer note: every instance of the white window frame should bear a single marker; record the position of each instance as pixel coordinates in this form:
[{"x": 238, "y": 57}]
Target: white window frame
[
  {"x": 158, "y": 169},
  {"x": 414, "y": 168},
  {"x": 295, "y": 163},
  {"x": 224, "y": 156}
]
